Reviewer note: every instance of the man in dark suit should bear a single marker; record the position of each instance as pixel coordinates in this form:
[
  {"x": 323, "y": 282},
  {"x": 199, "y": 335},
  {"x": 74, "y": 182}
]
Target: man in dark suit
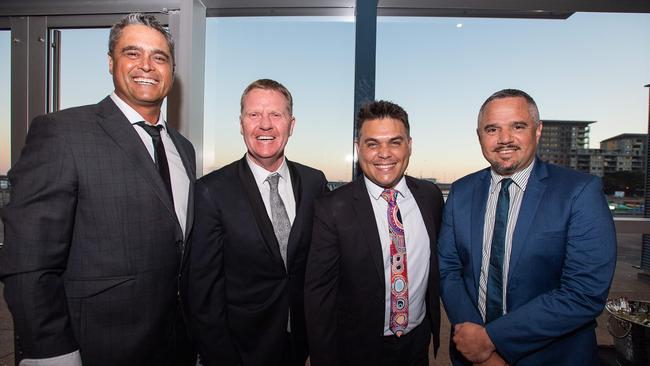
[
  {"x": 527, "y": 249},
  {"x": 250, "y": 241},
  {"x": 94, "y": 232},
  {"x": 371, "y": 289}
]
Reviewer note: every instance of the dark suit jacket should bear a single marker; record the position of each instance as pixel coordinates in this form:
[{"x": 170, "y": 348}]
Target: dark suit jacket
[
  {"x": 238, "y": 290},
  {"x": 92, "y": 243},
  {"x": 345, "y": 286},
  {"x": 561, "y": 265}
]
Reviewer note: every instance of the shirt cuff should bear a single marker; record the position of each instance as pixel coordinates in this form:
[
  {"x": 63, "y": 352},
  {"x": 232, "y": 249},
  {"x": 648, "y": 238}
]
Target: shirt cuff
[{"x": 70, "y": 359}]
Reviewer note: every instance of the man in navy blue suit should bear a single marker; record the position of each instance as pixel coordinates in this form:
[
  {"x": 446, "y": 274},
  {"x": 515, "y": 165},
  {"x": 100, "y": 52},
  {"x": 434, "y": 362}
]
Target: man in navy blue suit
[{"x": 527, "y": 249}]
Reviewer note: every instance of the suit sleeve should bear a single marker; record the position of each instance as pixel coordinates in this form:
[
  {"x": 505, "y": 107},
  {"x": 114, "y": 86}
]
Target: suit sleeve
[
  {"x": 458, "y": 304},
  {"x": 587, "y": 273},
  {"x": 321, "y": 289},
  {"x": 39, "y": 221},
  {"x": 206, "y": 289},
  {"x": 323, "y": 185}
]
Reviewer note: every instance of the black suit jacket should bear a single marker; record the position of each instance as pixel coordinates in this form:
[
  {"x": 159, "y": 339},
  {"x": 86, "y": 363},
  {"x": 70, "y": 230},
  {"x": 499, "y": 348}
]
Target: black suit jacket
[
  {"x": 344, "y": 285},
  {"x": 92, "y": 243},
  {"x": 238, "y": 290}
]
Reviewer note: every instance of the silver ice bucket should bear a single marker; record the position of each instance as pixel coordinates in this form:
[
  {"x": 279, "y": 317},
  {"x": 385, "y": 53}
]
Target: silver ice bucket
[{"x": 629, "y": 325}]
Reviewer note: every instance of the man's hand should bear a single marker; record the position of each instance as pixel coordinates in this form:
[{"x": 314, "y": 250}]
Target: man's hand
[
  {"x": 494, "y": 360},
  {"x": 473, "y": 342}
]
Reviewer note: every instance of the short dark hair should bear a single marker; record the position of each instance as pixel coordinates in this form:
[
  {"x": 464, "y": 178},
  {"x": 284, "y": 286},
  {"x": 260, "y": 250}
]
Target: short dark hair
[
  {"x": 379, "y": 109},
  {"x": 142, "y": 19},
  {"x": 267, "y": 84},
  {"x": 512, "y": 93}
]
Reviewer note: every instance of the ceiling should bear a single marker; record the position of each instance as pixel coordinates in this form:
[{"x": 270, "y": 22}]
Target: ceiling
[{"x": 474, "y": 8}]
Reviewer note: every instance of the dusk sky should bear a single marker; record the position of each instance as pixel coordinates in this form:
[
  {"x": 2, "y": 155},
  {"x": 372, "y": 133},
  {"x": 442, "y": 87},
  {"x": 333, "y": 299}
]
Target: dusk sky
[{"x": 588, "y": 67}]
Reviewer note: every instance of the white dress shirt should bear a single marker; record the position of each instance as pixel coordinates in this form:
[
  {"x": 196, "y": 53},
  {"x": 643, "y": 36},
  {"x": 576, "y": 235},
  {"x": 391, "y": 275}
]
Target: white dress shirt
[
  {"x": 285, "y": 189},
  {"x": 178, "y": 175},
  {"x": 516, "y": 191},
  {"x": 418, "y": 251}
]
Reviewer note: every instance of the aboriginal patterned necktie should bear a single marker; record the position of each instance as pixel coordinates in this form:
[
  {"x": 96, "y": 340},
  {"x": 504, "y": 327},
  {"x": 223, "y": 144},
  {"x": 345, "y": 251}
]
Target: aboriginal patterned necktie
[
  {"x": 494, "y": 298},
  {"x": 399, "y": 295}
]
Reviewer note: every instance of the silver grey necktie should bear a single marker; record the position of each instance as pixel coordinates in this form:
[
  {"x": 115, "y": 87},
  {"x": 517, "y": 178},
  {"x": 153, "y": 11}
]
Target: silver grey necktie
[{"x": 279, "y": 216}]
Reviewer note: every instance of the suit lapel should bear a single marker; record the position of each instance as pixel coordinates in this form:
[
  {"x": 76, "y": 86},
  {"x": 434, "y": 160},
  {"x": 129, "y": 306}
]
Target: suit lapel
[
  {"x": 479, "y": 203},
  {"x": 297, "y": 226},
  {"x": 426, "y": 212},
  {"x": 190, "y": 169},
  {"x": 259, "y": 210},
  {"x": 113, "y": 121},
  {"x": 535, "y": 189},
  {"x": 364, "y": 212}
]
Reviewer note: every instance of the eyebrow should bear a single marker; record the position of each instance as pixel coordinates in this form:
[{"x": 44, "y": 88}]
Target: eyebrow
[
  {"x": 512, "y": 123},
  {"x": 390, "y": 139},
  {"x": 156, "y": 51},
  {"x": 131, "y": 48}
]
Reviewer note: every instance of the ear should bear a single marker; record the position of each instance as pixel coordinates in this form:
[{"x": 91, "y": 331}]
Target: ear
[
  {"x": 410, "y": 142},
  {"x": 538, "y": 132},
  {"x": 293, "y": 124},
  {"x": 110, "y": 64},
  {"x": 241, "y": 125}
]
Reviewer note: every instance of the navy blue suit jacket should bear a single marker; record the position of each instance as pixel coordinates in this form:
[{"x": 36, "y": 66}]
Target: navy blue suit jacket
[{"x": 561, "y": 265}]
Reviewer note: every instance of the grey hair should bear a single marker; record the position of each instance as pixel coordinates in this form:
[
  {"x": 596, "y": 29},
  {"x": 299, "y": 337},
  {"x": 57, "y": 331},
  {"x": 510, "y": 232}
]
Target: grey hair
[
  {"x": 141, "y": 19},
  {"x": 512, "y": 93}
]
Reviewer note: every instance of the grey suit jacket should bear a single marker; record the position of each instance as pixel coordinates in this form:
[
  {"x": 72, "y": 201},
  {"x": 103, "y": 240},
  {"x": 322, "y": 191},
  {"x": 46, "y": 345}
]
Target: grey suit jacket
[{"x": 93, "y": 248}]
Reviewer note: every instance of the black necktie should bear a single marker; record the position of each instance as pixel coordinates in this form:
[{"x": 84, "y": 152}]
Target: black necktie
[
  {"x": 160, "y": 157},
  {"x": 494, "y": 298}
]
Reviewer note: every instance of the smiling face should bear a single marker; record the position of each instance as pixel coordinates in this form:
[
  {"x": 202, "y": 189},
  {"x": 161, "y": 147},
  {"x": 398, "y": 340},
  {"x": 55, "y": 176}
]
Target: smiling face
[
  {"x": 383, "y": 148},
  {"x": 508, "y": 135},
  {"x": 142, "y": 69},
  {"x": 266, "y": 125}
]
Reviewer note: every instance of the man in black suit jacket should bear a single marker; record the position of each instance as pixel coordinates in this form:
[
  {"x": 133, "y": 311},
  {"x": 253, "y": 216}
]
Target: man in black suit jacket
[
  {"x": 371, "y": 289},
  {"x": 245, "y": 274},
  {"x": 94, "y": 236}
]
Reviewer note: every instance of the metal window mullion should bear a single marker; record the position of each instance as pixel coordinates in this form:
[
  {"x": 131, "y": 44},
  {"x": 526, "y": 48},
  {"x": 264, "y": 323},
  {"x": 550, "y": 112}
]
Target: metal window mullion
[{"x": 365, "y": 50}]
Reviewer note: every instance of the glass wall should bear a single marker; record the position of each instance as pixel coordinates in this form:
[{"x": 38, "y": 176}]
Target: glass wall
[
  {"x": 589, "y": 67},
  {"x": 312, "y": 56},
  {"x": 5, "y": 101},
  {"x": 5, "y": 118},
  {"x": 84, "y": 67}
]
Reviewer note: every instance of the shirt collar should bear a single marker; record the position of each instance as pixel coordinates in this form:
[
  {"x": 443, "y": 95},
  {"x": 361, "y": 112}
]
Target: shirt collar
[
  {"x": 375, "y": 191},
  {"x": 130, "y": 113},
  {"x": 519, "y": 178},
  {"x": 261, "y": 174}
]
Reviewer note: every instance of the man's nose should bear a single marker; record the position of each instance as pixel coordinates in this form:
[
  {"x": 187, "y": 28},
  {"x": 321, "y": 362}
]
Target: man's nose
[
  {"x": 265, "y": 122},
  {"x": 384, "y": 151},
  {"x": 505, "y": 136},
  {"x": 145, "y": 63}
]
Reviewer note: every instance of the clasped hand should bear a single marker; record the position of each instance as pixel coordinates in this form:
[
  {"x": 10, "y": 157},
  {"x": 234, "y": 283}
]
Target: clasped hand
[{"x": 473, "y": 342}]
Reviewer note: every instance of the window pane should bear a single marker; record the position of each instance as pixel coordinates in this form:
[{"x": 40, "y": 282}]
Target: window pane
[
  {"x": 5, "y": 101},
  {"x": 84, "y": 67},
  {"x": 312, "y": 56},
  {"x": 5, "y": 119},
  {"x": 589, "y": 67}
]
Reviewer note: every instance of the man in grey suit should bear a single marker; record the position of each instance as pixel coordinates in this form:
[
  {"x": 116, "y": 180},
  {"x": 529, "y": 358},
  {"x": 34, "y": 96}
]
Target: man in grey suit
[{"x": 101, "y": 206}]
